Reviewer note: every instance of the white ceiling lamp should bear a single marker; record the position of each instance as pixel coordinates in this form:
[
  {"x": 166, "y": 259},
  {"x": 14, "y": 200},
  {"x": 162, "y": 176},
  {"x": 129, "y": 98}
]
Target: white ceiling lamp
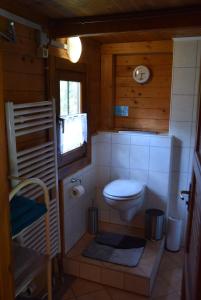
[{"x": 74, "y": 49}]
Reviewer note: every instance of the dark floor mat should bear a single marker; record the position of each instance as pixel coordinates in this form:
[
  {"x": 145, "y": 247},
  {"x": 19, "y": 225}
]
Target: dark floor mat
[
  {"x": 119, "y": 241},
  {"x": 115, "y": 252}
]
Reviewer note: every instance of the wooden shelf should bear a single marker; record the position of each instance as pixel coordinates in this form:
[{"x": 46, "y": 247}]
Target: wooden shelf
[{"x": 27, "y": 264}]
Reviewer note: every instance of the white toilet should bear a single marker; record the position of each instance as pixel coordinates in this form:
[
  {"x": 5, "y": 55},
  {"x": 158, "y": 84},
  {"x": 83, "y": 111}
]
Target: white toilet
[{"x": 126, "y": 196}]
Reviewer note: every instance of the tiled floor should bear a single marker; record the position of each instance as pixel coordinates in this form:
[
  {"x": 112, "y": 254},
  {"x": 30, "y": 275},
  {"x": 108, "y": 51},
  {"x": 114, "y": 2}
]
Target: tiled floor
[
  {"x": 167, "y": 285},
  {"x": 138, "y": 279}
]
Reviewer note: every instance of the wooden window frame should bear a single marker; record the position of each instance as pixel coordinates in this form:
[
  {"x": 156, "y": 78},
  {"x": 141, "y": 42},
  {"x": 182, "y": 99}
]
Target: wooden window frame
[{"x": 71, "y": 162}]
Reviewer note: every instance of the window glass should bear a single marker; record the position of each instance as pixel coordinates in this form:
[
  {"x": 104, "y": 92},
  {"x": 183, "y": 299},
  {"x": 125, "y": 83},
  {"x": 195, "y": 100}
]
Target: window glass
[
  {"x": 69, "y": 97},
  {"x": 72, "y": 124}
]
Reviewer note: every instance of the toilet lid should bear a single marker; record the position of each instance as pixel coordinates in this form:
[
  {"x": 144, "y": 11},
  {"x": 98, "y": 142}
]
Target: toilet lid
[{"x": 122, "y": 188}]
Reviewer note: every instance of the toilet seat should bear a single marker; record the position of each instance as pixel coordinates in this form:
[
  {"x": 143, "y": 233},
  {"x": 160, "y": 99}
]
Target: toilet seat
[{"x": 122, "y": 189}]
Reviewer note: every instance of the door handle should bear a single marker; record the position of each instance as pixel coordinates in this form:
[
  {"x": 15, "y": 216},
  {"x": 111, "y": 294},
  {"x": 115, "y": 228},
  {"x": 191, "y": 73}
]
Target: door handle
[{"x": 182, "y": 193}]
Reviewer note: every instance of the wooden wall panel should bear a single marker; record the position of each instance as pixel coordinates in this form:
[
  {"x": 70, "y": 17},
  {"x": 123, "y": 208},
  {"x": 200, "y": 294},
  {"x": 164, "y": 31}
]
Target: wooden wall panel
[
  {"x": 25, "y": 74},
  {"x": 137, "y": 47},
  {"x": 149, "y": 103},
  {"x": 24, "y": 81},
  {"x": 107, "y": 91},
  {"x": 6, "y": 278},
  {"x": 155, "y": 93}
]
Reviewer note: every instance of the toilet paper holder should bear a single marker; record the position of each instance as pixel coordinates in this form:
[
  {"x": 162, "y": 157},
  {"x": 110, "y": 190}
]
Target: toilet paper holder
[{"x": 74, "y": 180}]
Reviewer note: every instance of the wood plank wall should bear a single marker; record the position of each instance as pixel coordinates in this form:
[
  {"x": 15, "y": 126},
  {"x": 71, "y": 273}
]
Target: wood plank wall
[
  {"x": 24, "y": 80},
  {"x": 6, "y": 278},
  {"x": 25, "y": 77},
  {"x": 149, "y": 103}
]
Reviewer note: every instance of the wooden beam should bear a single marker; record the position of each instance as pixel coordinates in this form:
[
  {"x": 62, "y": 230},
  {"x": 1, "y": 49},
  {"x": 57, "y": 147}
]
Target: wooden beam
[
  {"x": 158, "y": 19},
  {"x": 6, "y": 278},
  {"x": 25, "y": 11},
  {"x": 138, "y": 47}
]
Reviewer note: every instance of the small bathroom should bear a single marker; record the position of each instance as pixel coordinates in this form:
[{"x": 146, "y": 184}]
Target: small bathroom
[
  {"x": 144, "y": 171},
  {"x": 100, "y": 144}
]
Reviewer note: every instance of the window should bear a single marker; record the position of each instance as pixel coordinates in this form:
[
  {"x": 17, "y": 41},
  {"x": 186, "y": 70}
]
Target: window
[
  {"x": 71, "y": 119},
  {"x": 72, "y": 122}
]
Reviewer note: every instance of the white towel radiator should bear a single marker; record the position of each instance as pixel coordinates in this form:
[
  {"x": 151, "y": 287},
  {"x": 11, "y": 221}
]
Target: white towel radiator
[{"x": 35, "y": 162}]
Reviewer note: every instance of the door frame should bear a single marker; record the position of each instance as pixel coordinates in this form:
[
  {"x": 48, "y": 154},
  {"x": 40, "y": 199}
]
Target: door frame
[{"x": 6, "y": 274}]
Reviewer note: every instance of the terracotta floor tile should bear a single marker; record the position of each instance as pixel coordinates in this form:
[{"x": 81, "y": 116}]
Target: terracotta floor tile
[
  {"x": 173, "y": 275},
  {"x": 167, "y": 263},
  {"x": 117, "y": 294},
  {"x": 173, "y": 296},
  {"x": 177, "y": 258},
  {"x": 81, "y": 287},
  {"x": 98, "y": 295},
  {"x": 68, "y": 295},
  {"x": 161, "y": 288}
]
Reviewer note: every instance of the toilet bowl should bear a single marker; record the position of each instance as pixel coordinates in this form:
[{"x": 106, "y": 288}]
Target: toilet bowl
[{"x": 126, "y": 196}]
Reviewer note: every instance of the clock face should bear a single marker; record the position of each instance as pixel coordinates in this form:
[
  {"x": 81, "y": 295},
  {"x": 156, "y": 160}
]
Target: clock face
[{"x": 141, "y": 74}]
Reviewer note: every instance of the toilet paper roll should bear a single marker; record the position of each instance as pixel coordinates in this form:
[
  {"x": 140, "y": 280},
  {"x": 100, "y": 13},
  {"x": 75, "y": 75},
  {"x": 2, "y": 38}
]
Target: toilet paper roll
[{"x": 77, "y": 191}]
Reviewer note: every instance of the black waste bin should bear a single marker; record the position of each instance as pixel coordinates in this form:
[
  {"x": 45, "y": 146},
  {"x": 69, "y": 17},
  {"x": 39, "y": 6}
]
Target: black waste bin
[{"x": 154, "y": 224}]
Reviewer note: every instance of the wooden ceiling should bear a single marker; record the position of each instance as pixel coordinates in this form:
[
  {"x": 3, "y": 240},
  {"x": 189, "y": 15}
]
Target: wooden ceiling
[
  {"x": 113, "y": 21},
  {"x": 82, "y": 8}
]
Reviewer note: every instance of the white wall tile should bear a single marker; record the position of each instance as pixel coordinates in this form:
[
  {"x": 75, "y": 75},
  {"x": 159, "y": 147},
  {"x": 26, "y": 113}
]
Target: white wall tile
[
  {"x": 103, "y": 137},
  {"x": 119, "y": 173},
  {"x": 159, "y": 159},
  {"x": 100, "y": 200},
  {"x": 191, "y": 158},
  {"x": 94, "y": 154},
  {"x": 193, "y": 134},
  {"x": 180, "y": 159},
  {"x": 183, "y": 81},
  {"x": 103, "y": 154},
  {"x": 178, "y": 182},
  {"x": 155, "y": 201},
  {"x": 139, "y": 157},
  {"x": 94, "y": 139},
  {"x": 195, "y": 108},
  {"x": 140, "y": 140},
  {"x": 118, "y": 138},
  {"x": 198, "y": 54},
  {"x": 185, "y": 74},
  {"x": 197, "y": 82},
  {"x": 103, "y": 176},
  {"x": 120, "y": 155},
  {"x": 140, "y": 175},
  {"x": 182, "y": 108},
  {"x": 181, "y": 132},
  {"x": 90, "y": 180},
  {"x": 158, "y": 183},
  {"x": 185, "y": 53},
  {"x": 161, "y": 141}
]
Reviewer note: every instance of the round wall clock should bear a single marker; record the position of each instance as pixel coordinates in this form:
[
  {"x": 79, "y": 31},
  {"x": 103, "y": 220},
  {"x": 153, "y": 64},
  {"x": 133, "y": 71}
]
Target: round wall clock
[{"x": 141, "y": 74}]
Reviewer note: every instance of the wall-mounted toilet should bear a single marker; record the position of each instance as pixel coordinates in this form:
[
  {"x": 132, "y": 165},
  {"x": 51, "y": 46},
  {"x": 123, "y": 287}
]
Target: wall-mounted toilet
[{"x": 126, "y": 196}]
